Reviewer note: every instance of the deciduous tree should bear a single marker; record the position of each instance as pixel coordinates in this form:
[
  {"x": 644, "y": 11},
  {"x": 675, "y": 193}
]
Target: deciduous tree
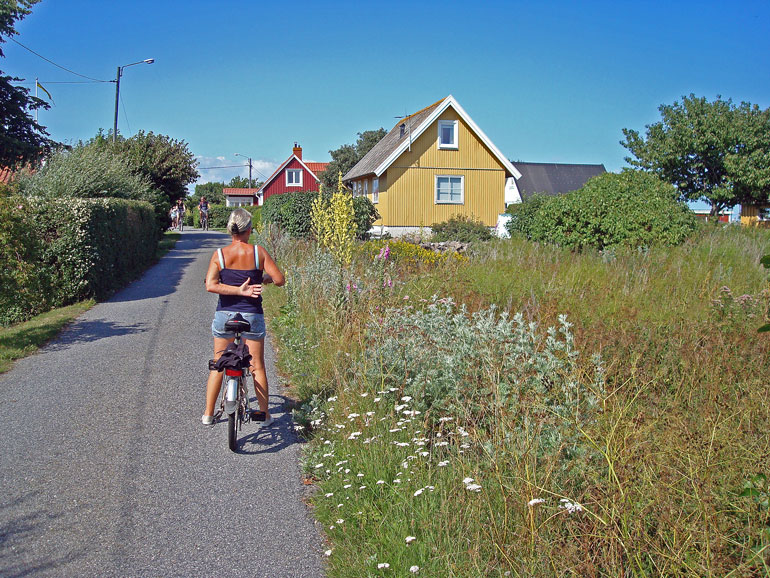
[
  {"x": 711, "y": 151},
  {"x": 346, "y": 157},
  {"x": 21, "y": 138}
]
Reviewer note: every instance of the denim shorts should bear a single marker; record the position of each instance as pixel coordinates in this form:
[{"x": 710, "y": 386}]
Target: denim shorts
[{"x": 256, "y": 320}]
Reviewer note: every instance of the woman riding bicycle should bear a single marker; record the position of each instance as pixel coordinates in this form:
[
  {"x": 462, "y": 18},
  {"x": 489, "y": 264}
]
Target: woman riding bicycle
[
  {"x": 203, "y": 210},
  {"x": 236, "y": 273}
]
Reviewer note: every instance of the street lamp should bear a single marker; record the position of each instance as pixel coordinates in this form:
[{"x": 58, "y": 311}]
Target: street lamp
[
  {"x": 117, "y": 92},
  {"x": 244, "y": 156}
]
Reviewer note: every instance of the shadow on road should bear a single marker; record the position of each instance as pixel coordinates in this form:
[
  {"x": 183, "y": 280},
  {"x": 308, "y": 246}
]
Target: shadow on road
[
  {"x": 163, "y": 278},
  {"x": 18, "y": 557},
  {"x": 86, "y": 331},
  {"x": 277, "y": 436}
]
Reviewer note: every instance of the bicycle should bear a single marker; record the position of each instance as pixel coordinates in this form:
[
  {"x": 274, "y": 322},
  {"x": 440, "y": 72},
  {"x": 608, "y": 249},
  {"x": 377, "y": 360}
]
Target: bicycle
[{"x": 235, "y": 398}]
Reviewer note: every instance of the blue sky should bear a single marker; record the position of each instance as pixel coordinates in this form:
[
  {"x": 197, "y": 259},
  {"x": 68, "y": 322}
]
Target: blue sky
[{"x": 546, "y": 81}]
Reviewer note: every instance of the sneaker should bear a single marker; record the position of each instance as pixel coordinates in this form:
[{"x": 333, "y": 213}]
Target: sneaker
[
  {"x": 208, "y": 420},
  {"x": 268, "y": 421}
]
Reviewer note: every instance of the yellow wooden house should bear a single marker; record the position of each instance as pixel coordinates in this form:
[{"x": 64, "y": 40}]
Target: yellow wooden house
[
  {"x": 435, "y": 164},
  {"x": 755, "y": 215}
]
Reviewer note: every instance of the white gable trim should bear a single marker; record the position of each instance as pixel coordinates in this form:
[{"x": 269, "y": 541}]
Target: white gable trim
[
  {"x": 279, "y": 170},
  {"x": 448, "y": 101}
]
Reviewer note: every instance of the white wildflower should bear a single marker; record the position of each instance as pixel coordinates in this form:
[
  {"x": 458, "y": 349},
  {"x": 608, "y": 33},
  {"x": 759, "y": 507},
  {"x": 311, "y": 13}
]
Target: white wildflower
[
  {"x": 467, "y": 481},
  {"x": 410, "y": 539},
  {"x": 571, "y": 507},
  {"x": 535, "y": 502},
  {"x": 443, "y": 463},
  {"x": 328, "y": 553},
  {"x": 406, "y": 398},
  {"x": 380, "y": 482},
  {"x": 473, "y": 488},
  {"x": 382, "y": 565},
  {"x": 414, "y": 569},
  {"x": 418, "y": 492}
]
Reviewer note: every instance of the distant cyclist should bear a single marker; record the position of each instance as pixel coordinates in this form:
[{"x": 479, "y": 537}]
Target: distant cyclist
[
  {"x": 181, "y": 209},
  {"x": 203, "y": 210},
  {"x": 174, "y": 214}
]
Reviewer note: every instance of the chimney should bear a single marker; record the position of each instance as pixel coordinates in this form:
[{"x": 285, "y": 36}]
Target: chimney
[{"x": 297, "y": 151}]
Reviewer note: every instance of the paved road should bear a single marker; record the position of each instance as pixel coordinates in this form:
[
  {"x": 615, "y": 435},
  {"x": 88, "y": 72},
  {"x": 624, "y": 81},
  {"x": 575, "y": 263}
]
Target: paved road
[{"x": 105, "y": 467}]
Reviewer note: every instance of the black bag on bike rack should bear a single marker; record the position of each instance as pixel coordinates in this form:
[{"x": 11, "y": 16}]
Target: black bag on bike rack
[{"x": 233, "y": 357}]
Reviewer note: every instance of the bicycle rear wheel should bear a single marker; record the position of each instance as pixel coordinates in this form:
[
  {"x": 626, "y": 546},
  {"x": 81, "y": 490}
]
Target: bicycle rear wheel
[{"x": 232, "y": 432}]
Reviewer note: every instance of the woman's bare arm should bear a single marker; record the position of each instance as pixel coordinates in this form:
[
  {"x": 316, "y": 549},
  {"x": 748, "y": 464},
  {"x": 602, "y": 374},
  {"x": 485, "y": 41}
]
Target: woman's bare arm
[{"x": 269, "y": 267}]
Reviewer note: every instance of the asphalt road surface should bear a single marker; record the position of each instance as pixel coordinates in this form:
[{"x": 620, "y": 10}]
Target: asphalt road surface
[{"x": 105, "y": 467}]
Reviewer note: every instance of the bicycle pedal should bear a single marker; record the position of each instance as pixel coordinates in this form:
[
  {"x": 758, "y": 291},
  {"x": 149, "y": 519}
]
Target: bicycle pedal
[{"x": 257, "y": 415}]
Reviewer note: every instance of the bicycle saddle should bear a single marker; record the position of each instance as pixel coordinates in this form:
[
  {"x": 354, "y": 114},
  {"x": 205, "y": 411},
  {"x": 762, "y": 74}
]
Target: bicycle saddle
[{"x": 237, "y": 324}]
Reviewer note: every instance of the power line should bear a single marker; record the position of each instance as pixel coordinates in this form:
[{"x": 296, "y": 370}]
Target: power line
[
  {"x": 224, "y": 167},
  {"x": 57, "y": 65},
  {"x": 61, "y": 82}
]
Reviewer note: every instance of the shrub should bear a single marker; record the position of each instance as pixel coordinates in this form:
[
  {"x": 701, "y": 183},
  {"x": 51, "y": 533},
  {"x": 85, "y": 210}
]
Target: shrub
[
  {"x": 461, "y": 228},
  {"x": 25, "y": 285},
  {"x": 93, "y": 172},
  {"x": 632, "y": 208},
  {"x": 410, "y": 254},
  {"x": 291, "y": 212},
  {"x": 365, "y": 216},
  {"x": 523, "y": 215},
  {"x": 95, "y": 246}
]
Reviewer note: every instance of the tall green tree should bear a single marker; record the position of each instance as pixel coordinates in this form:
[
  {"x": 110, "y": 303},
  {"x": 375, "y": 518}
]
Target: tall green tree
[
  {"x": 212, "y": 192},
  {"x": 238, "y": 182},
  {"x": 345, "y": 157},
  {"x": 166, "y": 162},
  {"x": 711, "y": 151},
  {"x": 22, "y": 140}
]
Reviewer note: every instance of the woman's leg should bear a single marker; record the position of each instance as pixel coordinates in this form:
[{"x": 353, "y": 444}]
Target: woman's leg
[
  {"x": 214, "y": 383},
  {"x": 257, "y": 350}
]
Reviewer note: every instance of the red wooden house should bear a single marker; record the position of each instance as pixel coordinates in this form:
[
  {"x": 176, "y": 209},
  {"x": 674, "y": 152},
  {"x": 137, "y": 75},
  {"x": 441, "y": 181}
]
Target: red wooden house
[{"x": 294, "y": 175}]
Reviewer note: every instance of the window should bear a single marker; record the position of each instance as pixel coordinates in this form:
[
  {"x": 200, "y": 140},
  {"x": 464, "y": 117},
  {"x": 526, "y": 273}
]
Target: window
[
  {"x": 375, "y": 190},
  {"x": 366, "y": 187},
  {"x": 294, "y": 178},
  {"x": 450, "y": 189},
  {"x": 447, "y": 134}
]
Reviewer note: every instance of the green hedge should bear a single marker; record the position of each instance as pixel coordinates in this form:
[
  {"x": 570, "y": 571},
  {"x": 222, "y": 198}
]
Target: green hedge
[
  {"x": 26, "y": 283},
  {"x": 632, "y": 209},
  {"x": 66, "y": 250},
  {"x": 291, "y": 212}
]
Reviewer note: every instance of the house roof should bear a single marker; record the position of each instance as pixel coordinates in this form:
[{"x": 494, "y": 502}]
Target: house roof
[
  {"x": 554, "y": 178},
  {"x": 237, "y": 192},
  {"x": 313, "y": 168},
  {"x": 317, "y": 168},
  {"x": 393, "y": 144}
]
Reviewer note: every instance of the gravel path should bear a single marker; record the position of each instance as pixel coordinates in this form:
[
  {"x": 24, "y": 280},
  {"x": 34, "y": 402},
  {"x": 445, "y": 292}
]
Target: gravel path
[{"x": 105, "y": 468}]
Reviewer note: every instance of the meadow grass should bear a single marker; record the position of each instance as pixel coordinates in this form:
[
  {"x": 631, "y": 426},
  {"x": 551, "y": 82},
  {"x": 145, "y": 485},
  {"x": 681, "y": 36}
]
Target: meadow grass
[{"x": 668, "y": 478}]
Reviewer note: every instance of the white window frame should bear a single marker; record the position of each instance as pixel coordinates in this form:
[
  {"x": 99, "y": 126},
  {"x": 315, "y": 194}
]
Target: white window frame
[
  {"x": 375, "y": 190},
  {"x": 453, "y": 124},
  {"x": 462, "y": 189},
  {"x": 293, "y": 171}
]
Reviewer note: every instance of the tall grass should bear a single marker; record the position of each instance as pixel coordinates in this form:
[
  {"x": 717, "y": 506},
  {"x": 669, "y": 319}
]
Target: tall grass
[{"x": 471, "y": 464}]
